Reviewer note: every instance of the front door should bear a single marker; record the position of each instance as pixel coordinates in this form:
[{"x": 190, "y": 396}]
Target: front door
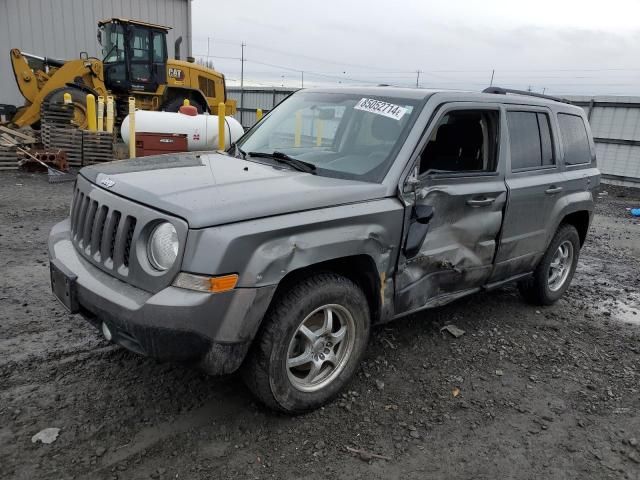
[{"x": 461, "y": 184}]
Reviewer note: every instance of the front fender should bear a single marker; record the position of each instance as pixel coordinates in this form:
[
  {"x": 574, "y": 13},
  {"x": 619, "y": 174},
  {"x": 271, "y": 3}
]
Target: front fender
[{"x": 263, "y": 251}]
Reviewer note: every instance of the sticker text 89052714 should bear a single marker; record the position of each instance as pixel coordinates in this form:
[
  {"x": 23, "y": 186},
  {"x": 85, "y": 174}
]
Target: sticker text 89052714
[{"x": 381, "y": 108}]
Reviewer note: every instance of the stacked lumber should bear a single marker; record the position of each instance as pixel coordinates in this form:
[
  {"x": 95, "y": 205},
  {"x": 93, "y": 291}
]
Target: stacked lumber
[{"x": 10, "y": 141}]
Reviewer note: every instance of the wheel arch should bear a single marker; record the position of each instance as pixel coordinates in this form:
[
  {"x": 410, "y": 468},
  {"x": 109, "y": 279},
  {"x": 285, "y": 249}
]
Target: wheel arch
[
  {"x": 360, "y": 269},
  {"x": 580, "y": 220}
]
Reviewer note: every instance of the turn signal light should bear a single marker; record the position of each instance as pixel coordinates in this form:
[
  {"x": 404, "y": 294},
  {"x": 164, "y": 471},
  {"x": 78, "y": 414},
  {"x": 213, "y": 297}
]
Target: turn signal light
[
  {"x": 223, "y": 284},
  {"x": 202, "y": 283}
]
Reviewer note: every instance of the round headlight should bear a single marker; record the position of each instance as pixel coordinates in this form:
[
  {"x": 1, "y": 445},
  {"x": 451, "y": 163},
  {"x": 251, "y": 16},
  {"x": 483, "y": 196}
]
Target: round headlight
[{"x": 163, "y": 246}]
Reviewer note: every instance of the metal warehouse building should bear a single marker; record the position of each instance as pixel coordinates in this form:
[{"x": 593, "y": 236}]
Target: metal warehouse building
[
  {"x": 64, "y": 28},
  {"x": 615, "y": 123}
]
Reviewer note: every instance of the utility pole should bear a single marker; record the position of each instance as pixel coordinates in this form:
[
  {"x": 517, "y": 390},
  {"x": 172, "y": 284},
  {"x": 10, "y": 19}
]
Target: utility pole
[
  {"x": 242, "y": 45},
  {"x": 302, "y": 78},
  {"x": 417, "y": 78},
  {"x": 493, "y": 72}
]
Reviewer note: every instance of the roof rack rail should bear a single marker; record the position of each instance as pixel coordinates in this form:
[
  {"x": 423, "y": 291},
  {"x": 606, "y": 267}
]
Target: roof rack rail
[{"x": 504, "y": 91}]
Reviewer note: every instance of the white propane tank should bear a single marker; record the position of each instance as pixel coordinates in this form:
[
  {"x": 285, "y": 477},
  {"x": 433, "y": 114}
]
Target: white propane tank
[{"x": 201, "y": 130}]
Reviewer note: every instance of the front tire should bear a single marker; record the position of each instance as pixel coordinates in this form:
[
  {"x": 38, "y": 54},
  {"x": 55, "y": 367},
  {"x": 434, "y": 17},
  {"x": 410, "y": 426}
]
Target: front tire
[
  {"x": 553, "y": 274},
  {"x": 310, "y": 345}
]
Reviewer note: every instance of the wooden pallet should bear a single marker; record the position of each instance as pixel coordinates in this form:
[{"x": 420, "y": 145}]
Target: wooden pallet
[
  {"x": 97, "y": 147},
  {"x": 10, "y": 140},
  {"x": 68, "y": 139}
]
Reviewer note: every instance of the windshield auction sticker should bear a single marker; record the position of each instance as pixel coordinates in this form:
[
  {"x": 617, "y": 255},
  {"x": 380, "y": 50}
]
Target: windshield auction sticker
[{"x": 381, "y": 108}]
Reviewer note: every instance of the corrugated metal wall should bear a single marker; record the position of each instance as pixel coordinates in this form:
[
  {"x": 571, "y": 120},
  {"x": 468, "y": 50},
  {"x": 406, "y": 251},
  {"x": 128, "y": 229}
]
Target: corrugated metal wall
[
  {"x": 615, "y": 123},
  {"x": 64, "y": 28},
  {"x": 256, "y": 97}
]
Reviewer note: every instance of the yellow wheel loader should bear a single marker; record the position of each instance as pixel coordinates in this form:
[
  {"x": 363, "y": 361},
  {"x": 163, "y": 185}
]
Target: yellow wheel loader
[{"x": 135, "y": 63}]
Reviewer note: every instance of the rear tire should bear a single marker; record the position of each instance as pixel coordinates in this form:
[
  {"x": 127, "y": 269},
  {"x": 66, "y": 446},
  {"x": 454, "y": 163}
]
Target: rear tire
[
  {"x": 553, "y": 274},
  {"x": 310, "y": 344},
  {"x": 79, "y": 101}
]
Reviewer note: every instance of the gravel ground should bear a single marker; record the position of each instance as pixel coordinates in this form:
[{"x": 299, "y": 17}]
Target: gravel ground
[{"x": 527, "y": 392}]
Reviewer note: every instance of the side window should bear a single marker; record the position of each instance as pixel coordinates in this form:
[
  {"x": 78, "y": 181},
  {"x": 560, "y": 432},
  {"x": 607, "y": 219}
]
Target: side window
[
  {"x": 207, "y": 86},
  {"x": 545, "y": 140},
  {"x": 574, "y": 139},
  {"x": 530, "y": 140},
  {"x": 159, "y": 44},
  {"x": 140, "y": 44},
  {"x": 464, "y": 141}
]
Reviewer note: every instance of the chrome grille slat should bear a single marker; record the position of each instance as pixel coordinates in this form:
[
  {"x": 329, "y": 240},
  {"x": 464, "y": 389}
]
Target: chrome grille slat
[
  {"x": 106, "y": 243},
  {"x": 96, "y": 231},
  {"x": 74, "y": 207},
  {"x": 76, "y": 213},
  {"x": 120, "y": 238},
  {"x": 131, "y": 227},
  {"x": 88, "y": 223},
  {"x": 113, "y": 233},
  {"x": 81, "y": 217}
]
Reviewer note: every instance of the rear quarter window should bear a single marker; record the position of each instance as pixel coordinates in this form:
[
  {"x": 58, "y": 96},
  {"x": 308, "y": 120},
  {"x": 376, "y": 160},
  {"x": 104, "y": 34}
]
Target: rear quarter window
[{"x": 575, "y": 141}]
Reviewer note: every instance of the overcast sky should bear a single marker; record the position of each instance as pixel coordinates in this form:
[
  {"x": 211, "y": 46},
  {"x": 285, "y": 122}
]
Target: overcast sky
[{"x": 561, "y": 46}]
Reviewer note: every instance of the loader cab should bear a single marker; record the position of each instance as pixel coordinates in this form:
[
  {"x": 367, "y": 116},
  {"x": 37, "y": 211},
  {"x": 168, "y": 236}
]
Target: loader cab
[{"x": 134, "y": 55}]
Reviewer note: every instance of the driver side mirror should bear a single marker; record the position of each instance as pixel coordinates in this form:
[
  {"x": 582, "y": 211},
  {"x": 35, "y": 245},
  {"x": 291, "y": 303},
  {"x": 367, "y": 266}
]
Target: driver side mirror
[{"x": 422, "y": 213}]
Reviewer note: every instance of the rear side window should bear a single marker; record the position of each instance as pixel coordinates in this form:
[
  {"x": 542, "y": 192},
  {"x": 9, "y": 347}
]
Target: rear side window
[
  {"x": 575, "y": 141},
  {"x": 530, "y": 140}
]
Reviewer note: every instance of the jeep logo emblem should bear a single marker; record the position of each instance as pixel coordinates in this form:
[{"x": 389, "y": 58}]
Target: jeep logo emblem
[
  {"x": 107, "y": 182},
  {"x": 176, "y": 73}
]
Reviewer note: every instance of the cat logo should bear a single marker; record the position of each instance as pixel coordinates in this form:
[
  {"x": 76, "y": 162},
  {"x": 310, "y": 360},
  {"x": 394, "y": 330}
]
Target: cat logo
[{"x": 176, "y": 73}]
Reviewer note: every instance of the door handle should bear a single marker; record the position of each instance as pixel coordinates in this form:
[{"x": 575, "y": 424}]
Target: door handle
[
  {"x": 480, "y": 202},
  {"x": 553, "y": 190}
]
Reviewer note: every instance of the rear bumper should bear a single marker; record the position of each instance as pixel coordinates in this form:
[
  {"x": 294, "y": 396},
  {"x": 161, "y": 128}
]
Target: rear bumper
[{"x": 174, "y": 324}]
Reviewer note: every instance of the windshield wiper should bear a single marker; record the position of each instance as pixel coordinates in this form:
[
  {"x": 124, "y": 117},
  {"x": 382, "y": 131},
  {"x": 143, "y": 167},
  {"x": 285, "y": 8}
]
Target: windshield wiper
[{"x": 299, "y": 165}]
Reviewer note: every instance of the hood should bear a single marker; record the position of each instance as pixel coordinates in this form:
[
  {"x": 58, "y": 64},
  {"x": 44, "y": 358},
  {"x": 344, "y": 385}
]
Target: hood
[{"x": 208, "y": 189}]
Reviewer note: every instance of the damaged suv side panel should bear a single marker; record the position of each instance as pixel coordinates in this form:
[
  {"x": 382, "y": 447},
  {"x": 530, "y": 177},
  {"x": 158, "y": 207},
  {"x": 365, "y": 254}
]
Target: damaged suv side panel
[{"x": 266, "y": 250}]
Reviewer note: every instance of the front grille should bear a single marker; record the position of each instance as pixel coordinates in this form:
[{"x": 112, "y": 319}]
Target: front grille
[
  {"x": 101, "y": 232},
  {"x": 107, "y": 227}
]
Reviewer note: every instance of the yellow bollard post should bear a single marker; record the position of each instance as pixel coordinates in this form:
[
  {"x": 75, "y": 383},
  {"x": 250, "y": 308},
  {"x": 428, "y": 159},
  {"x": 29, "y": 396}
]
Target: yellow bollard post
[
  {"x": 319, "y": 128},
  {"x": 100, "y": 113},
  {"x": 298, "y": 134},
  {"x": 91, "y": 112},
  {"x": 258, "y": 115},
  {"x": 67, "y": 98},
  {"x": 110, "y": 114},
  {"x": 132, "y": 127},
  {"x": 186, "y": 102},
  {"x": 221, "y": 125}
]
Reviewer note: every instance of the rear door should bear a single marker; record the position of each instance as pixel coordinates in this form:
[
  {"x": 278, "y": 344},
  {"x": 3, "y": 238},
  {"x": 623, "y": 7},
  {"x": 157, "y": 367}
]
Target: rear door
[
  {"x": 459, "y": 178},
  {"x": 535, "y": 183}
]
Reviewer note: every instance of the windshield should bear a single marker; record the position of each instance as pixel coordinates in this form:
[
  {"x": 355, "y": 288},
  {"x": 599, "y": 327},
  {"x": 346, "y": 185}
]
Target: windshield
[
  {"x": 113, "y": 43},
  {"x": 342, "y": 135}
]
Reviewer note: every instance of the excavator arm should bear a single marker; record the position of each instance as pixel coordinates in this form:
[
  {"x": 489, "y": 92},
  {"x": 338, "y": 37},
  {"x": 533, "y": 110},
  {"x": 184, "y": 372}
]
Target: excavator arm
[{"x": 47, "y": 75}]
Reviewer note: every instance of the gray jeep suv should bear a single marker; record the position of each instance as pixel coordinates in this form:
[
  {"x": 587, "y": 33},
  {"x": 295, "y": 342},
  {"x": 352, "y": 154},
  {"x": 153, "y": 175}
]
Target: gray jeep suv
[{"x": 341, "y": 209}]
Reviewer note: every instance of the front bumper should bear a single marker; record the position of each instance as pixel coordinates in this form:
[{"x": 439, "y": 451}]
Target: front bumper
[{"x": 174, "y": 324}]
